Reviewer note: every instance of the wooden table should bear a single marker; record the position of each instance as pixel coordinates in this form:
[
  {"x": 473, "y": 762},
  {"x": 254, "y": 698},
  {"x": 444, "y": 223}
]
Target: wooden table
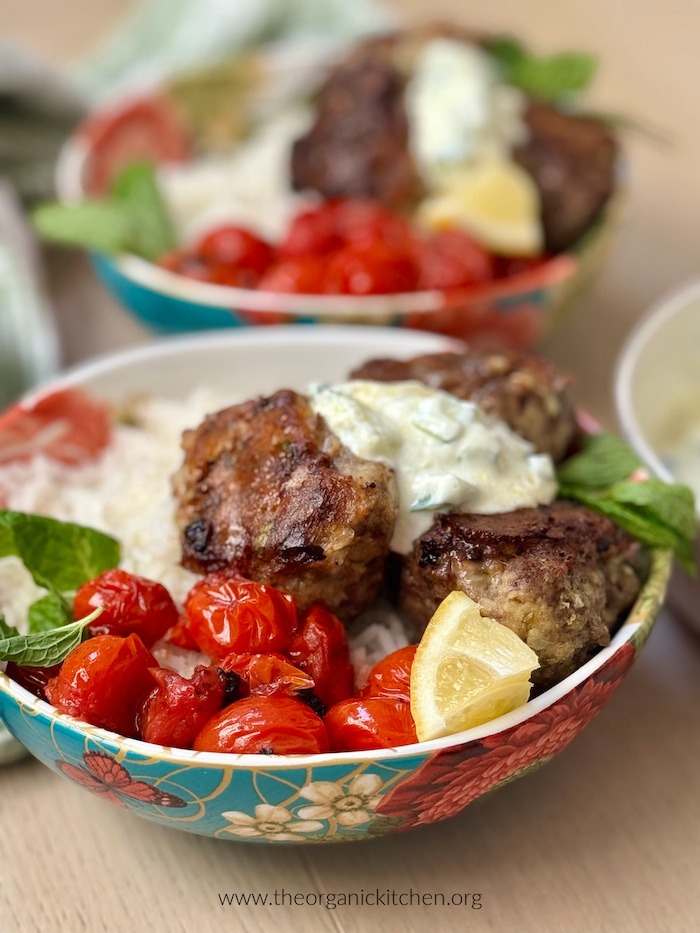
[{"x": 607, "y": 836}]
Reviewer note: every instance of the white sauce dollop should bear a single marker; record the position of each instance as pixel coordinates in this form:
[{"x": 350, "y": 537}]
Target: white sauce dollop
[
  {"x": 447, "y": 454},
  {"x": 459, "y": 110}
]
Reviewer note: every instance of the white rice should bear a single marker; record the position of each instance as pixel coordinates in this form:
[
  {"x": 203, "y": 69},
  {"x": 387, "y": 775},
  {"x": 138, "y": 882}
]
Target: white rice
[{"x": 127, "y": 494}]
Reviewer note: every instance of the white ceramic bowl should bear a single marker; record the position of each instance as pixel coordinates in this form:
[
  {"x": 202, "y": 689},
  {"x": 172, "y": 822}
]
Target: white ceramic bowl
[{"x": 657, "y": 392}]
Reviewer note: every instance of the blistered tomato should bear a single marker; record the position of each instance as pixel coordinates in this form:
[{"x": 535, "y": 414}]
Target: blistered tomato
[
  {"x": 371, "y": 269},
  {"x": 391, "y": 677},
  {"x": 227, "y": 613},
  {"x": 181, "y": 636},
  {"x": 129, "y": 604},
  {"x": 267, "y": 674},
  {"x": 177, "y": 708},
  {"x": 321, "y": 649},
  {"x": 103, "y": 682},
  {"x": 374, "y": 722},
  {"x": 266, "y": 726},
  {"x": 453, "y": 259},
  {"x": 304, "y": 275},
  {"x": 236, "y": 247},
  {"x": 311, "y": 233},
  {"x": 33, "y": 679},
  {"x": 362, "y": 223}
]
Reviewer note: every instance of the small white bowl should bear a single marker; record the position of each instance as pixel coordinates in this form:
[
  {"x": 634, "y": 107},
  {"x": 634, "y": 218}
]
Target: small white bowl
[{"x": 657, "y": 392}]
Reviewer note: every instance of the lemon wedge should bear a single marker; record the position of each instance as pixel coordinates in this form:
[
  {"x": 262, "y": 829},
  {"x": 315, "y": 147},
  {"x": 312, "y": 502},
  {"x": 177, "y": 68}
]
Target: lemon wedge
[
  {"x": 468, "y": 669},
  {"x": 496, "y": 201}
]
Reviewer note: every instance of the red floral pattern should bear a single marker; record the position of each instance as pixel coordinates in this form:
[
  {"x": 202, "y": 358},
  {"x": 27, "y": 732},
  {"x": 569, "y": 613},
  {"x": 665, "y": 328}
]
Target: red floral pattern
[{"x": 451, "y": 779}]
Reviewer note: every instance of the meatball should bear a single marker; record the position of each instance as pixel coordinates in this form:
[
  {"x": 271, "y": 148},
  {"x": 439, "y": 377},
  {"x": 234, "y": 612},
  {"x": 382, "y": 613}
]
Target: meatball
[
  {"x": 524, "y": 391},
  {"x": 559, "y": 576},
  {"x": 267, "y": 491}
]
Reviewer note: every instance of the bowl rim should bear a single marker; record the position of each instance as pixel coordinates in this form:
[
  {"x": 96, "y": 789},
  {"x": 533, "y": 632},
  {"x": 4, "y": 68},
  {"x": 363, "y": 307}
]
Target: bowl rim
[
  {"x": 286, "y": 336},
  {"x": 75, "y": 151},
  {"x": 659, "y": 571},
  {"x": 663, "y": 310}
]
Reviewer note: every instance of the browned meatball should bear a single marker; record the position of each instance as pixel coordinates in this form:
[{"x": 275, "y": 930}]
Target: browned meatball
[
  {"x": 268, "y": 491},
  {"x": 572, "y": 161},
  {"x": 524, "y": 391},
  {"x": 559, "y": 576}
]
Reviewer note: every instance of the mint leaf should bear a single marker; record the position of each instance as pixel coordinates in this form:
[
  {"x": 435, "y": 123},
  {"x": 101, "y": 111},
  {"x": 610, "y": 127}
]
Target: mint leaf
[
  {"x": 671, "y": 504},
  {"x": 95, "y": 225},
  {"x": 60, "y": 556},
  {"x": 49, "y": 612},
  {"x": 133, "y": 219},
  {"x": 44, "y": 649},
  {"x": 550, "y": 78},
  {"x": 136, "y": 191},
  {"x": 604, "y": 460},
  {"x": 7, "y": 631}
]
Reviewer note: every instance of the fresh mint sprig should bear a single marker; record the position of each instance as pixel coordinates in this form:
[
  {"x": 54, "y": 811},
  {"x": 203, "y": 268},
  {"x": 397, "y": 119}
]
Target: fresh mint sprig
[
  {"x": 133, "y": 218},
  {"x": 42, "y": 649},
  {"x": 657, "y": 514},
  {"x": 551, "y": 78},
  {"x": 60, "y": 556}
]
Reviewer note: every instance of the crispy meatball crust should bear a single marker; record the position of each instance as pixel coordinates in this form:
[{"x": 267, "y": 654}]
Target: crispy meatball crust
[
  {"x": 524, "y": 391},
  {"x": 267, "y": 491},
  {"x": 559, "y": 576}
]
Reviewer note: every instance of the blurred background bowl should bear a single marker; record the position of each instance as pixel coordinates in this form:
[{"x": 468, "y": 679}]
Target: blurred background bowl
[
  {"x": 516, "y": 311},
  {"x": 657, "y": 393}
]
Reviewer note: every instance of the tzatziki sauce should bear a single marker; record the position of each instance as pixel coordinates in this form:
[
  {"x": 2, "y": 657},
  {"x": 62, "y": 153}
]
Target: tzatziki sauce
[{"x": 448, "y": 455}]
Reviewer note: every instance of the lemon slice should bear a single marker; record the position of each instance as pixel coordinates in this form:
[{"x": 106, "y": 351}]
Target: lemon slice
[
  {"x": 468, "y": 669},
  {"x": 496, "y": 201}
]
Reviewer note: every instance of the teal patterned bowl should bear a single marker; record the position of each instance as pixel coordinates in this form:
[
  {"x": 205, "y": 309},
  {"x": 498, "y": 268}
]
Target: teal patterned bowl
[{"x": 334, "y": 797}]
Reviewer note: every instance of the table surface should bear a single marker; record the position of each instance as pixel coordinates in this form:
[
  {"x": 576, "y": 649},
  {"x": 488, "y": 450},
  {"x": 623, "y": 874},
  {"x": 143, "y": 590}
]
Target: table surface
[{"x": 606, "y": 836}]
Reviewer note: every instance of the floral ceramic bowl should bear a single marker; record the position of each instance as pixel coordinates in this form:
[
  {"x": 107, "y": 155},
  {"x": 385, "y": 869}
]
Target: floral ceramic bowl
[
  {"x": 333, "y": 797},
  {"x": 515, "y": 311}
]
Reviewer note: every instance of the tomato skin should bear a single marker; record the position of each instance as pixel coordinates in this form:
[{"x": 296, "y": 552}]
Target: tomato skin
[
  {"x": 360, "y": 724},
  {"x": 181, "y": 636},
  {"x": 177, "y": 708},
  {"x": 103, "y": 681},
  {"x": 363, "y": 223},
  {"x": 145, "y": 129},
  {"x": 231, "y": 246},
  {"x": 227, "y": 613},
  {"x": 303, "y": 275},
  {"x": 371, "y": 269},
  {"x": 311, "y": 233},
  {"x": 453, "y": 259},
  {"x": 129, "y": 604},
  {"x": 391, "y": 677},
  {"x": 320, "y": 648},
  {"x": 264, "y": 725},
  {"x": 85, "y": 422},
  {"x": 267, "y": 674}
]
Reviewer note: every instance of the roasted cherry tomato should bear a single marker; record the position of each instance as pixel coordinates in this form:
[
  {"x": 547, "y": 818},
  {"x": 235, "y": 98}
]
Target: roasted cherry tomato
[
  {"x": 373, "y": 722},
  {"x": 186, "y": 262},
  {"x": 227, "y": 613},
  {"x": 181, "y": 636},
  {"x": 174, "y": 711},
  {"x": 145, "y": 129},
  {"x": 304, "y": 275},
  {"x": 33, "y": 679},
  {"x": 321, "y": 649},
  {"x": 235, "y": 247},
  {"x": 67, "y": 425},
  {"x": 362, "y": 223},
  {"x": 103, "y": 682},
  {"x": 453, "y": 259},
  {"x": 391, "y": 677},
  {"x": 267, "y": 674},
  {"x": 509, "y": 266},
  {"x": 129, "y": 604},
  {"x": 264, "y": 726},
  {"x": 372, "y": 269},
  {"x": 311, "y": 233}
]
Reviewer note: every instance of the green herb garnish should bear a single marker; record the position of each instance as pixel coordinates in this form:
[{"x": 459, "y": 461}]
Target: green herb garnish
[
  {"x": 550, "y": 78},
  {"x": 132, "y": 219},
  {"x": 60, "y": 556},
  {"x": 656, "y": 513}
]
